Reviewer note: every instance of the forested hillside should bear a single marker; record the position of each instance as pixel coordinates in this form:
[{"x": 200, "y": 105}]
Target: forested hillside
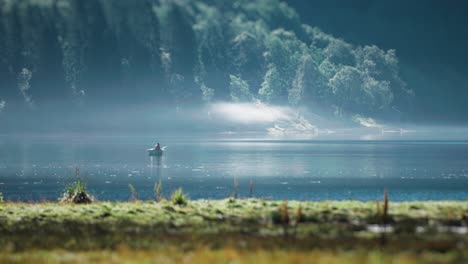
[{"x": 183, "y": 52}]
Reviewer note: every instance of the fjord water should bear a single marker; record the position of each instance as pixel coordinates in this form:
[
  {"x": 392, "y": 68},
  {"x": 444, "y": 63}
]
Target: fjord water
[{"x": 39, "y": 168}]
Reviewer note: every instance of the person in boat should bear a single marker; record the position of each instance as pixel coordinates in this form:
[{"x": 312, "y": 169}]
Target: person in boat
[{"x": 157, "y": 147}]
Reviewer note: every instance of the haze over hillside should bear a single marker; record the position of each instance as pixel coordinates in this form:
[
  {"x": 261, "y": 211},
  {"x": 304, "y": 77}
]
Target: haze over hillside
[
  {"x": 188, "y": 52},
  {"x": 430, "y": 38}
]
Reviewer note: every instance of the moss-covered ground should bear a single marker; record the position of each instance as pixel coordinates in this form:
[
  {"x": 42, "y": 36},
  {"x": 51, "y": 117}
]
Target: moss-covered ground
[{"x": 243, "y": 231}]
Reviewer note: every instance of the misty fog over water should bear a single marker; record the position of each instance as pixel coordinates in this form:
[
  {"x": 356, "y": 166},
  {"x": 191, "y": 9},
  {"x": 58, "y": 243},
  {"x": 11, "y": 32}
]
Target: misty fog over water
[{"x": 288, "y": 153}]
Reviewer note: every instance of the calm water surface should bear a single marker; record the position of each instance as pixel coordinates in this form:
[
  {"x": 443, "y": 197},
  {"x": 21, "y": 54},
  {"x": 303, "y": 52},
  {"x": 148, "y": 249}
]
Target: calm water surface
[{"x": 39, "y": 168}]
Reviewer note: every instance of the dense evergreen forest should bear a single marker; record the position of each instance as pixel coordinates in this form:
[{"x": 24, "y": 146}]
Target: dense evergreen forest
[{"x": 180, "y": 52}]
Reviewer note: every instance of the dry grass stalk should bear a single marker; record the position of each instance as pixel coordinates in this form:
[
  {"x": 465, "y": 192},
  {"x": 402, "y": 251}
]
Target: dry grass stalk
[
  {"x": 284, "y": 217},
  {"x": 385, "y": 208},
  {"x": 134, "y": 192},
  {"x": 236, "y": 187},
  {"x": 158, "y": 191}
]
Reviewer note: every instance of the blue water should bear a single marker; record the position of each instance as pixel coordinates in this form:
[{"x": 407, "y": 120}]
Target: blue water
[{"x": 38, "y": 168}]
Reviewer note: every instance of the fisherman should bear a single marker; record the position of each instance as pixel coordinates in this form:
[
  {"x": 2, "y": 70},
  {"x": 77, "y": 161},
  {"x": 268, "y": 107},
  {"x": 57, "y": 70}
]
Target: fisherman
[{"x": 157, "y": 147}]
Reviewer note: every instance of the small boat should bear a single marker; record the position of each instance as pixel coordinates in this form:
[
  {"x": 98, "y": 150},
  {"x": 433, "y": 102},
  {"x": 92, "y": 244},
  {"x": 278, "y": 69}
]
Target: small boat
[{"x": 155, "y": 152}]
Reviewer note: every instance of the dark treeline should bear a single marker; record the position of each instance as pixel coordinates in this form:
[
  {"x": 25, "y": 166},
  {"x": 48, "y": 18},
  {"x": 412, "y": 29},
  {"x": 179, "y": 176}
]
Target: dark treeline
[{"x": 179, "y": 52}]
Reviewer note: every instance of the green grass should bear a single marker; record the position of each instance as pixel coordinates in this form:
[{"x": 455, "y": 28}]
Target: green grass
[
  {"x": 246, "y": 229},
  {"x": 178, "y": 197},
  {"x": 75, "y": 192},
  {"x": 228, "y": 255},
  {"x": 134, "y": 193}
]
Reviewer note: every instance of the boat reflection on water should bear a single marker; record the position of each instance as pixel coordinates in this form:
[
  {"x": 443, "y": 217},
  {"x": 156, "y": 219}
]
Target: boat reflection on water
[{"x": 155, "y": 164}]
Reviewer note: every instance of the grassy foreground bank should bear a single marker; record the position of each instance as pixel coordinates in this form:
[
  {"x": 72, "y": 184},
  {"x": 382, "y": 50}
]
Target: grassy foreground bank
[{"x": 246, "y": 231}]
